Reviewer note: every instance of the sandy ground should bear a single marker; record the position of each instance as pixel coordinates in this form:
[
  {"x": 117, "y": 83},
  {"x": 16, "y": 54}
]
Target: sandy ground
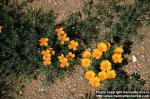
[
  {"x": 75, "y": 86},
  {"x": 142, "y": 53},
  {"x": 62, "y": 7}
]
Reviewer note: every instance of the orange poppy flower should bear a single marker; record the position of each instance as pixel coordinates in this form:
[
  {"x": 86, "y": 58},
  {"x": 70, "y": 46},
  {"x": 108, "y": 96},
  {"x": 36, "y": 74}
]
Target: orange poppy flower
[
  {"x": 85, "y": 62},
  {"x": 45, "y": 52},
  {"x": 64, "y": 62},
  {"x": 102, "y": 75},
  {"x": 63, "y": 38},
  {"x": 117, "y": 58},
  {"x": 70, "y": 55},
  {"x": 73, "y": 45},
  {"x": 60, "y": 33},
  {"x": 43, "y": 41},
  {"x": 118, "y": 50},
  {"x": 89, "y": 75},
  {"x": 61, "y": 57},
  {"x": 86, "y": 54},
  {"x": 95, "y": 82},
  {"x": 102, "y": 47},
  {"x": 105, "y": 65},
  {"x": 59, "y": 30},
  {"x": 111, "y": 74},
  {"x": 96, "y": 54}
]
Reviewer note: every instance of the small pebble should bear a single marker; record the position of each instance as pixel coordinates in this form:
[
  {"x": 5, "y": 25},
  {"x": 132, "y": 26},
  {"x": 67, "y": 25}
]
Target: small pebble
[
  {"x": 55, "y": 3},
  {"x": 20, "y": 92},
  {"x": 134, "y": 59}
]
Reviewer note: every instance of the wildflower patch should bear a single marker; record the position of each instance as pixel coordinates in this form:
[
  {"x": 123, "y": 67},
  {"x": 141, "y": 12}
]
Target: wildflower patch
[
  {"x": 64, "y": 55},
  {"x": 100, "y": 63}
]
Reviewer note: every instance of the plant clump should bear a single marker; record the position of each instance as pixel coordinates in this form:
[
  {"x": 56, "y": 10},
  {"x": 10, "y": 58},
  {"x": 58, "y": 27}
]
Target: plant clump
[{"x": 101, "y": 63}]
